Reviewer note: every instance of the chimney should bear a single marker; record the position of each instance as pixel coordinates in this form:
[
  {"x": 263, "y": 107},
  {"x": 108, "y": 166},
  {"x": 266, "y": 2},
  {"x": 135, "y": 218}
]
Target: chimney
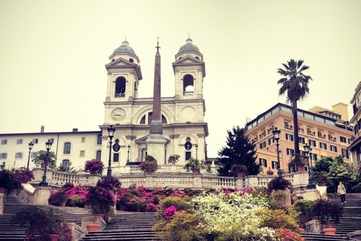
[
  {"x": 42, "y": 129},
  {"x": 75, "y": 129}
]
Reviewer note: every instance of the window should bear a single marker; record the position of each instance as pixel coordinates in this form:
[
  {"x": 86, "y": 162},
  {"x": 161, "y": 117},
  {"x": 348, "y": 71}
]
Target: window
[
  {"x": 263, "y": 162},
  {"x": 301, "y": 140},
  {"x": 67, "y": 148},
  {"x": 188, "y": 84},
  {"x": 289, "y": 137},
  {"x": 115, "y": 157},
  {"x": 313, "y": 157},
  {"x": 83, "y": 139},
  {"x": 4, "y": 141},
  {"x": 82, "y": 153},
  {"x": 312, "y": 143},
  {"x": 262, "y": 145},
  {"x": 99, "y": 139},
  {"x": 323, "y": 145},
  {"x": 333, "y": 148},
  {"x": 120, "y": 85},
  {"x": 344, "y": 153},
  {"x": 147, "y": 119},
  {"x": 98, "y": 155},
  {"x": 18, "y": 155},
  {"x": 19, "y": 141},
  {"x": 290, "y": 152},
  {"x": 3, "y": 155},
  {"x": 274, "y": 164},
  {"x": 343, "y": 139}
]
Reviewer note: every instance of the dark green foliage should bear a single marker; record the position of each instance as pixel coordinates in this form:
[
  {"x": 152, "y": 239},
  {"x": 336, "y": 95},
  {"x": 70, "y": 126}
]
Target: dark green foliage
[
  {"x": 57, "y": 198},
  {"x": 238, "y": 151},
  {"x": 109, "y": 183},
  {"x": 40, "y": 156},
  {"x": 150, "y": 164},
  {"x": 326, "y": 210},
  {"x": 304, "y": 208},
  {"x": 356, "y": 188},
  {"x": 12, "y": 180},
  {"x": 278, "y": 183},
  {"x": 41, "y": 223},
  {"x": 329, "y": 171}
]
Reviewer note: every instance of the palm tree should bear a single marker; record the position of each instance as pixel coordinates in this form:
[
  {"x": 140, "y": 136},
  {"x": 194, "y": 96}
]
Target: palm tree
[{"x": 294, "y": 83}]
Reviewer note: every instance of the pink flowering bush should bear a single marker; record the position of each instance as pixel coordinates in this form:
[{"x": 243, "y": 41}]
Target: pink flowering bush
[
  {"x": 169, "y": 212},
  {"x": 94, "y": 167}
]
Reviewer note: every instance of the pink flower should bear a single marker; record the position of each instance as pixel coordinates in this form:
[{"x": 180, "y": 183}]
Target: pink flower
[{"x": 169, "y": 212}]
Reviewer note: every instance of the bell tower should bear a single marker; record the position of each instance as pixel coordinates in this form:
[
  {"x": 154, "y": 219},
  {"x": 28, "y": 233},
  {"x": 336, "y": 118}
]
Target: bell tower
[
  {"x": 124, "y": 74},
  {"x": 189, "y": 71}
]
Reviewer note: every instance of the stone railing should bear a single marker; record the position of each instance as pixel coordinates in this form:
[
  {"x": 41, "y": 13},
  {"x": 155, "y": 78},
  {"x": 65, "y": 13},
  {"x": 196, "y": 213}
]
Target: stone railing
[
  {"x": 58, "y": 179},
  {"x": 173, "y": 180}
]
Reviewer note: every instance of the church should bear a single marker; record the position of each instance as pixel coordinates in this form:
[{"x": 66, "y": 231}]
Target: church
[{"x": 167, "y": 128}]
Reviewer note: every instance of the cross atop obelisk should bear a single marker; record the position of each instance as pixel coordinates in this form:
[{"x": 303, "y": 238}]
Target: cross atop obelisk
[{"x": 156, "y": 123}]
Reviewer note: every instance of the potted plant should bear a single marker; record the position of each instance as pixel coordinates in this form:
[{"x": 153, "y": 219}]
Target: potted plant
[
  {"x": 150, "y": 165},
  {"x": 173, "y": 159},
  {"x": 279, "y": 188},
  {"x": 194, "y": 165},
  {"x": 94, "y": 167},
  {"x": 322, "y": 181},
  {"x": 325, "y": 211},
  {"x": 12, "y": 180},
  {"x": 42, "y": 224},
  {"x": 269, "y": 172},
  {"x": 101, "y": 201}
]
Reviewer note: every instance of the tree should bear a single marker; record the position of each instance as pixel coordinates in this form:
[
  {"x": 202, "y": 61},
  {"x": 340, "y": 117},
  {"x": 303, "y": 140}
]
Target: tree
[
  {"x": 294, "y": 83},
  {"x": 40, "y": 156},
  {"x": 239, "y": 151}
]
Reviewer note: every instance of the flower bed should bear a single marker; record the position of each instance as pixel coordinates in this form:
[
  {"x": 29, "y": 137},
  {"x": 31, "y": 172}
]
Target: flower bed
[{"x": 226, "y": 215}]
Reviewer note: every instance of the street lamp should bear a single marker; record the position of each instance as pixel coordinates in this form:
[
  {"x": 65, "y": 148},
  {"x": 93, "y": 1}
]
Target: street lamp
[
  {"x": 276, "y": 136},
  {"x": 128, "y": 154},
  {"x": 307, "y": 153},
  {"x": 111, "y": 131},
  {"x": 48, "y": 144},
  {"x": 31, "y": 144}
]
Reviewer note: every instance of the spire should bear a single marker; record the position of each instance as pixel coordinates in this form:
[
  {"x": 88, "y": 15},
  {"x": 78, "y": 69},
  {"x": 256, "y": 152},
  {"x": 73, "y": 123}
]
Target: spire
[{"x": 156, "y": 123}]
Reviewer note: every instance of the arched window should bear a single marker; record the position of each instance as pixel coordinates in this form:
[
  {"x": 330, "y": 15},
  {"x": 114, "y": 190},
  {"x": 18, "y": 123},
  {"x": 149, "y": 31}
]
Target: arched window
[
  {"x": 67, "y": 147},
  {"x": 147, "y": 119},
  {"x": 188, "y": 149},
  {"x": 120, "y": 85},
  {"x": 188, "y": 84}
]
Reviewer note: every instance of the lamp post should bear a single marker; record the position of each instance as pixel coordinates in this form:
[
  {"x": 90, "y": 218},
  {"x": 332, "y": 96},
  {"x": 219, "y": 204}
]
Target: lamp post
[
  {"x": 128, "y": 154},
  {"x": 307, "y": 154},
  {"x": 31, "y": 144},
  {"x": 276, "y": 136},
  {"x": 48, "y": 144},
  {"x": 111, "y": 131}
]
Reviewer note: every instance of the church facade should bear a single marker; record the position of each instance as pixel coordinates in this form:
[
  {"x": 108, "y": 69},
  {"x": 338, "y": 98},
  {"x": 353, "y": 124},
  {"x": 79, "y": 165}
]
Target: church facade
[{"x": 167, "y": 128}]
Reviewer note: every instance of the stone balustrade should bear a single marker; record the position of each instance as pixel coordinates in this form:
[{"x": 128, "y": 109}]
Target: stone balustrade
[{"x": 173, "y": 180}]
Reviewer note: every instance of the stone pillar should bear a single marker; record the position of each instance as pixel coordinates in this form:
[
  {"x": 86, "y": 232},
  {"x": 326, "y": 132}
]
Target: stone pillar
[{"x": 41, "y": 196}]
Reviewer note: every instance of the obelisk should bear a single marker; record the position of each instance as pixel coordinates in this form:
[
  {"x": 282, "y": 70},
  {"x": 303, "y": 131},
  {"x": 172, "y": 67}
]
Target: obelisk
[{"x": 156, "y": 141}]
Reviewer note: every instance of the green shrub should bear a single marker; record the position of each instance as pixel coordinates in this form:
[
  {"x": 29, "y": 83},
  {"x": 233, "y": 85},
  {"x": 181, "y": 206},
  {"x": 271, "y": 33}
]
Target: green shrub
[
  {"x": 304, "y": 208},
  {"x": 178, "y": 202}
]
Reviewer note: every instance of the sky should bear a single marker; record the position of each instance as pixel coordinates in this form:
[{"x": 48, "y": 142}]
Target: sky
[{"x": 53, "y": 52}]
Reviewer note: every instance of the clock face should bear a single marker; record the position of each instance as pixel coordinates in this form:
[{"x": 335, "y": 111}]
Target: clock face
[{"x": 118, "y": 114}]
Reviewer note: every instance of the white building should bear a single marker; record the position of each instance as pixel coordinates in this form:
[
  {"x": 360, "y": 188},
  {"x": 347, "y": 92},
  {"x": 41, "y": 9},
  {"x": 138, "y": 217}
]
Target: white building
[{"x": 182, "y": 117}]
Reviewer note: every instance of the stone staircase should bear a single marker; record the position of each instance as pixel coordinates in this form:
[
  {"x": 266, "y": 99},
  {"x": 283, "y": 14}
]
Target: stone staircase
[
  {"x": 129, "y": 226},
  {"x": 349, "y": 222},
  {"x": 10, "y": 231}
]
